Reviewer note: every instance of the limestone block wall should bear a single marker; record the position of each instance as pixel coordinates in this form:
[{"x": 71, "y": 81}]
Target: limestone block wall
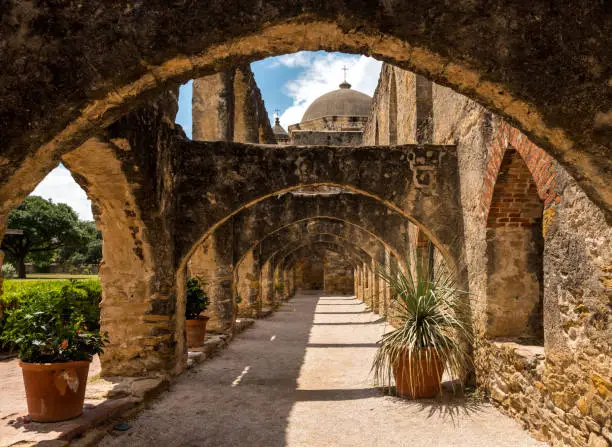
[
  {"x": 332, "y": 123},
  {"x": 563, "y": 393},
  {"x": 338, "y": 274},
  {"x": 213, "y": 262},
  {"x": 326, "y": 138},
  {"x": 310, "y": 272},
  {"x": 228, "y": 106},
  {"x": 248, "y": 286}
]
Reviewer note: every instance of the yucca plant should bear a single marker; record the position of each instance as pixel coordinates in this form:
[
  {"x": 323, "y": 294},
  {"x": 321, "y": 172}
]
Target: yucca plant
[{"x": 430, "y": 310}]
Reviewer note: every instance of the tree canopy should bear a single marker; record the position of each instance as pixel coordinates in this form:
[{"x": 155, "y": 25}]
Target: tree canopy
[{"x": 49, "y": 230}]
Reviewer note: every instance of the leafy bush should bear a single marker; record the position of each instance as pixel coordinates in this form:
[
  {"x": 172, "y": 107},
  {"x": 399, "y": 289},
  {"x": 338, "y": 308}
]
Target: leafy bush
[
  {"x": 8, "y": 271},
  {"x": 56, "y": 325},
  {"x": 20, "y": 292},
  {"x": 197, "y": 300}
]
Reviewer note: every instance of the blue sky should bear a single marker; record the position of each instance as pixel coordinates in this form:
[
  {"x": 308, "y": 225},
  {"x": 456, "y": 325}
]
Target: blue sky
[{"x": 289, "y": 83}]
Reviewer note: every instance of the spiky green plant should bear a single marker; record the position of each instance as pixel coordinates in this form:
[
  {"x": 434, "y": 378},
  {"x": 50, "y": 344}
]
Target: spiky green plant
[{"x": 432, "y": 317}]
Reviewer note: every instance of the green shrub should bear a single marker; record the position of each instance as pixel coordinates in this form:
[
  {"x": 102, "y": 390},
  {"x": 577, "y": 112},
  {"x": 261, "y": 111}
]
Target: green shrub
[
  {"x": 197, "y": 300},
  {"x": 56, "y": 325},
  {"x": 8, "y": 271},
  {"x": 86, "y": 297}
]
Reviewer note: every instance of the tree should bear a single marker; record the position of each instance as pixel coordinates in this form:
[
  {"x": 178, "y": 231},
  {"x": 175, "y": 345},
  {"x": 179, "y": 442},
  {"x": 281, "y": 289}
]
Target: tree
[
  {"x": 88, "y": 250},
  {"x": 46, "y": 227}
]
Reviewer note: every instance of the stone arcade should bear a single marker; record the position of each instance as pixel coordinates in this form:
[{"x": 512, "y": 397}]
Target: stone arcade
[{"x": 510, "y": 183}]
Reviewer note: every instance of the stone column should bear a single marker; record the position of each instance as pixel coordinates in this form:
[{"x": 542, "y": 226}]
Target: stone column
[
  {"x": 213, "y": 107},
  {"x": 221, "y": 282},
  {"x": 267, "y": 284},
  {"x": 254, "y": 292},
  {"x": 138, "y": 275},
  {"x": 246, "y": 125},
  {"x": 375, "y": 289}
]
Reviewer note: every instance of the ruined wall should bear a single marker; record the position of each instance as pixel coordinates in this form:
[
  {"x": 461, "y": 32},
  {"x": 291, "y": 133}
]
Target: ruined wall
[
  {"x": 325, "y": 138},
  {"x": 562, "y": 392},
  {"x": 127, "y": 174},
  {"x": 338, "y": 274},
  {"x": 310, "y": 273},
  {"x": 228, "y": 106},
  {"x": 332, "y": 123},
  {"x": 213, "y": 261}
]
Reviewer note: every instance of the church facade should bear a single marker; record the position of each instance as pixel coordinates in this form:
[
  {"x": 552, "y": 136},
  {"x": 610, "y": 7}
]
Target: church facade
[{"x": 337, "y": 118}]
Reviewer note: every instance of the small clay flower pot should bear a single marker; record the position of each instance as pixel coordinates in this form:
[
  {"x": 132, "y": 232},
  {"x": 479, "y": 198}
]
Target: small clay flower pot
[
  {"x": 418, "y": 377},
  {"x": 55, "y": 391},
  {"x": 196, "y": 331}
]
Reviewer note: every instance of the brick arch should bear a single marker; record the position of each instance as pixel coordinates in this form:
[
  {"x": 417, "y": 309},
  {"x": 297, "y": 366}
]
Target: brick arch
[
  {"x": 48, "y": 110},
  {"x": 539, "y": 163},
  {"x": 515, "y": 248}
]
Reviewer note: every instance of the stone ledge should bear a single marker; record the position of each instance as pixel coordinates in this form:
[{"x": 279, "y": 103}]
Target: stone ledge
[
  {"x": 242, "y": 324},
  {"x": 106, "y": 399}
]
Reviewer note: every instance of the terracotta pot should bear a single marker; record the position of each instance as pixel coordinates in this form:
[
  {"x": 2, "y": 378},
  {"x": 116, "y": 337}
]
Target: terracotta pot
[
  {"x": 420, "y": 376},
  {"x": 55, "y": 391},
  {"x": 196, "y": 331}
]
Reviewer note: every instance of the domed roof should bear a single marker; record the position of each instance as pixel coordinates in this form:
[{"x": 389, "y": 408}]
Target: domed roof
[
  {"x": 278, "y": 129},
  {"x": 341, "y": 102}
]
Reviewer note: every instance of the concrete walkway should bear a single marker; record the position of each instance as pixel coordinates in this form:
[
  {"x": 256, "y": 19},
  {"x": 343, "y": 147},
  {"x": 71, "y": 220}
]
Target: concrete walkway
[{"x": 301, "y": 378}]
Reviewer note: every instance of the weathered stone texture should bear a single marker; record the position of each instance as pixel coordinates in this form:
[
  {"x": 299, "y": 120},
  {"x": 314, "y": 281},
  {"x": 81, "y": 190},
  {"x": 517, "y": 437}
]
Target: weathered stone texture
[
  {"x": 576, "y": 270},
  {"x": 126, "y": 173},
  {"x": 228, "y": 106},
  {"x": 326, "y": 138},
  {"x": 338, "y": 274}
]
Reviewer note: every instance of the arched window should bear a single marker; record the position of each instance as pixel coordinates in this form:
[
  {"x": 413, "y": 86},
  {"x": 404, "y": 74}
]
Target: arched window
[{"x": 515, "y": 255}]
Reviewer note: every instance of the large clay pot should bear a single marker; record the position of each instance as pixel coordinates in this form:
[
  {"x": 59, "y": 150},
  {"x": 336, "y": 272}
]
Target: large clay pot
[
  {"x": 196, "y": 331},
  {"x": 55, "y": 391},
  {"x": 420, "y": 376}
]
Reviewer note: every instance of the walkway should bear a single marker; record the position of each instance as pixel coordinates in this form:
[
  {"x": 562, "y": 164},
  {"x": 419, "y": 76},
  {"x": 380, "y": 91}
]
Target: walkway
[{"x": 301, "y": 378}]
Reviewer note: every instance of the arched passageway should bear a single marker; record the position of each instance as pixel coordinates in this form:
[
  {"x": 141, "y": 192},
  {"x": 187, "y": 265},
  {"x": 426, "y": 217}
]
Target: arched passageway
[{"x": 91, "y": 96}]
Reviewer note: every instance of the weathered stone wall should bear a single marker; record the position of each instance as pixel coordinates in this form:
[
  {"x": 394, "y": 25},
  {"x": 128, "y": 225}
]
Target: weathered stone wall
[
  {"x": 127, "y": 174},
  {"x": 213, "y": 261},
  {"x": 564, "y": 397},
  {"x": 310, "y": 272},
  {"x": 228, "y": 106},
  {"x": 515, "y": 254},
  {"x": 332, "y": 123},
  {"x": 338, "y": 274},
  {"x": 325, "y": 138}
]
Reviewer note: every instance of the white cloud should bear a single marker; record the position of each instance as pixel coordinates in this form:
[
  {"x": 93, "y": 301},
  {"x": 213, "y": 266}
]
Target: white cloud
[
  {"x": 299, "y": 59},
  {"x": 323, "y": 74},
  {"x": 60, "y": 187}
]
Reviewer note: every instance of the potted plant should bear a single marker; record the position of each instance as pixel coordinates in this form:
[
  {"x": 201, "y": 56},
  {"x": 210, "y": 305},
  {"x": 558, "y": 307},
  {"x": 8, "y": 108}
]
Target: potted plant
[
  {"x": 56, "y": 342},
  {"x": 279, "y": 287},
  {"x": 432, "y": 333},
  {"x": 197, "y": 302}
]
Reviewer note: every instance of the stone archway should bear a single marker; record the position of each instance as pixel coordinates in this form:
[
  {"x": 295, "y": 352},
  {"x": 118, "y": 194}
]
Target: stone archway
[{"x": 565, "y": 114}]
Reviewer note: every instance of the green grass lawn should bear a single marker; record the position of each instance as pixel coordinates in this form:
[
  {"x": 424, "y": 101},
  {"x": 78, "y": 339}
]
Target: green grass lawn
[{"x": 54, "y": 277}]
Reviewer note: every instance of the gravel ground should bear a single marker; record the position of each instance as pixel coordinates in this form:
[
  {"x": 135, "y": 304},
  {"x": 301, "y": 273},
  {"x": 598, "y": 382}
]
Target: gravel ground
[{"x": 302, "y": 378}]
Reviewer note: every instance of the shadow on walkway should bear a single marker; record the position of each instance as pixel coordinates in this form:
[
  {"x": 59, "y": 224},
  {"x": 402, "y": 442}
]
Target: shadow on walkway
[{"x": 289, "y": 381}]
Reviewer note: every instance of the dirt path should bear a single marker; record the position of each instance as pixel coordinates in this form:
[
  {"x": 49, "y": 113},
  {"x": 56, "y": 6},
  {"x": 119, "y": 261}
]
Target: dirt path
[{"x": 301, "y": 378}]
